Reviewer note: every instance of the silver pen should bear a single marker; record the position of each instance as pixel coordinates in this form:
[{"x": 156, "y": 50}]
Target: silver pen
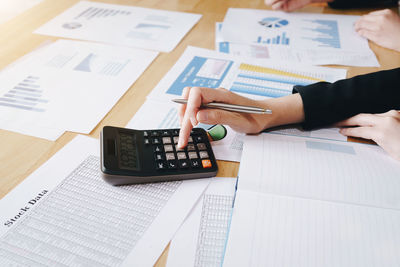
[{"x": 230, "y": 107}]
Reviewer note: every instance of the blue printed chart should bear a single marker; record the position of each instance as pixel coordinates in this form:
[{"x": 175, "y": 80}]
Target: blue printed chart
[
  {"x": 267, "y": 82},
  {"x": 293, "y": 30},
  {"x": 202, "y": 72}
]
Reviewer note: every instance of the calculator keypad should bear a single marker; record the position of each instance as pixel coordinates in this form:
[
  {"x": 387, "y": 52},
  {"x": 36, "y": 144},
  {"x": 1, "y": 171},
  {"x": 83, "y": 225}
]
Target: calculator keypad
[{"x": 168, "y": 156}]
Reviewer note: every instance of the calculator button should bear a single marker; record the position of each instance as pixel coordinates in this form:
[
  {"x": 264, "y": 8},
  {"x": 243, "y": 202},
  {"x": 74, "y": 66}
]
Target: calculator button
[
  {"x": 203, "y": 154},
  {"x": 170, "y": 156},
  {"x": 155, "y": 133},
  {"x": 176, "y": 138},
  {"x": 190, "y": 147},
  {"x": 159, "y": 156},
  {"x": 175, "y": 132},
  {"x": 198, "y": 139},
  {"x": 183, "y": 164},
  {"x": 168, "y": 148},
  {"x": 146, "y": 141},
  {"x": 190, "y": 139},
  {"x": 157, "y": 148},
  {"x": 172, "y": 164},
  {"x": 195, "y": 163},
  {"x": 181, "y": 155},
  {"x": 194, "y": 132},
  {"x": 161, "y": 165},
  {"x": 180, "y": 149},
  {"x": 201, "y": 146},
  {"x": 206, "y": 163},
  {"x": 165, "y": 133},
  {"x": 156, "y": 141},
  {"x": 193, "y": 155},
  {"x": 166, "y": 140},
  {"x": 145, "y": 133}
]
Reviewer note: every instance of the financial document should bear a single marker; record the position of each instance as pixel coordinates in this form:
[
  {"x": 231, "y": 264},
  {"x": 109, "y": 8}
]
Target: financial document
[
  {"x": 67, "y": 86},
  {"x": 309, "y": 202},
  {"x": 317, "y": 39},
  {"x": 201, "y": 239},
  {"x": 253, "y": 78},
  {"x": 139, "y": 27},
  {"x": 65, "y": 214},
  {"x": 155, "y": 114}
]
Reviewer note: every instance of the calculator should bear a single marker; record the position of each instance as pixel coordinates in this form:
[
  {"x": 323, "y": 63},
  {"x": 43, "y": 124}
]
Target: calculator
[{"x": 131, "y": 156}]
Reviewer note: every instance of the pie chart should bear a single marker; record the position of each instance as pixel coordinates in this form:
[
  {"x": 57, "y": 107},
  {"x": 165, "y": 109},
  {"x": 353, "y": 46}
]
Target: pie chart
[{"x": 273, "y": 22}]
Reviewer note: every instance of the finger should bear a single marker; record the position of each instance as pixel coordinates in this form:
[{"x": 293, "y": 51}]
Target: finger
[
  {"x": 366, "y": 23},
  {"x": 380, "y": 12},
  {"x": 390, "y": 113},
  {"x": 361, "y": 132},
  {"x": 182, "y": 108},
  {"x": 278, "y": 5},
  {"x": 184, "y": 133},
  {"x": 215, "y": 116},
  {"x": 360, "y": 120},
  {"x": 271, "y": 2},
  {"x": 370, "y": 35}
]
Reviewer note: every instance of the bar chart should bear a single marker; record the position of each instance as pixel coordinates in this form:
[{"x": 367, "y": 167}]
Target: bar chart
[
  {"x": 26, "y": 95},
  {"x": 268, "y": 82},
  {"x": 280, "y": 39},
  {"x": 325, "y": 33}
]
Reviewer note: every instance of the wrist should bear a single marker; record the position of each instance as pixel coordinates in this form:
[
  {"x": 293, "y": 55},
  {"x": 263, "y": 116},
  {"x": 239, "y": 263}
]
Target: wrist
[{"x": 285, "y": 110}]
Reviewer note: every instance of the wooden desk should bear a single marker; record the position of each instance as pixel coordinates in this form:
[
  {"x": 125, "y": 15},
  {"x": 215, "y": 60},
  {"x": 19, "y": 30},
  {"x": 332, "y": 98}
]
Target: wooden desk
[{"x": 20, "y": 155}]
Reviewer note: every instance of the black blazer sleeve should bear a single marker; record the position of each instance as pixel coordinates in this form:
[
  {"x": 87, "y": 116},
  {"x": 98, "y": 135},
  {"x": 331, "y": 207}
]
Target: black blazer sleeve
[
  {"x": 327, "y": 103},
  {"x": 361, "y": 3}
]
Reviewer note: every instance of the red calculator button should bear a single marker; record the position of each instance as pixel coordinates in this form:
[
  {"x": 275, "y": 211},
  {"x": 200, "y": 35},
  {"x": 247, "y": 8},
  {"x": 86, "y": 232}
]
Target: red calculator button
[{"x": 206, "y": 163}]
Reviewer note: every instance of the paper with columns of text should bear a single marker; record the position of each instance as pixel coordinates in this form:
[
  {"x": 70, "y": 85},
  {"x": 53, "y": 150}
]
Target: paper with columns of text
[
  {"x": 65, "y": 214},
  {"x": 201, "y": 239}
]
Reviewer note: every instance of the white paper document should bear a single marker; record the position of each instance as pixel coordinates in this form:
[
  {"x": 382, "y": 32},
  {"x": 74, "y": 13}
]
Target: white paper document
[
  {"x": 250, "y": 77},
  {"x": 67, "y": 86},
  {"x": 281, "y": 231},
  {"x": 154, "y": 114},
  {"x": 201, "y": 240},
  {"x": 139, "y": 27},
  {"x": 309, "y": 38},
  {"x": 64, "y": 214},
  {"x": 309, "y": 202}
]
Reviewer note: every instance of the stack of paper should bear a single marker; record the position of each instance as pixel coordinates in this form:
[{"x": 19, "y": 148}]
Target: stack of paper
[{"x": 317, "y": 39}]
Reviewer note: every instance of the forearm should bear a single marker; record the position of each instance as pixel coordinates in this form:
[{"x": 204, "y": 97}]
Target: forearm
[{"x": 327, "y": 103}]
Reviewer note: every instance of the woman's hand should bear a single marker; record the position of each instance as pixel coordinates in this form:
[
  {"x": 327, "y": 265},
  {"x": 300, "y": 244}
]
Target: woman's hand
[
  {"x": 285, "y": 110},
  {"x": 383, "y": 128},
  {"x": 381, "y": 27}
]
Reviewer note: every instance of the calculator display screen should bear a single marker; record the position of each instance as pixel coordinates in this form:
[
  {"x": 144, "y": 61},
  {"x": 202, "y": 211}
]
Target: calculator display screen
[{"x": 128, "y": 152}]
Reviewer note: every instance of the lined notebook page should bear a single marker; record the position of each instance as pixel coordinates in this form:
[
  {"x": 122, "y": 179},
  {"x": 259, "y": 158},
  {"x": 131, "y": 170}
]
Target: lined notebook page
[
  {"x": 320, "y": 169},
  {"x": 280, "y": 231}
]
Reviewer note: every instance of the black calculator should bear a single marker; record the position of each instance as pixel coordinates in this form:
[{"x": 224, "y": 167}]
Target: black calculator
[{"x": 144, "y": 156}]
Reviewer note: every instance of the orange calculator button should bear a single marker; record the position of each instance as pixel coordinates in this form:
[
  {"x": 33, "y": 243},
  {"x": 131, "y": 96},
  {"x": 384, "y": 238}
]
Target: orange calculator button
[{"x": 206, "y": 163}]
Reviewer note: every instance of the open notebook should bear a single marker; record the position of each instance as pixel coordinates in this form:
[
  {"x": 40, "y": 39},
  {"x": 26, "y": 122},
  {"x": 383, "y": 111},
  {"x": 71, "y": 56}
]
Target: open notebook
[{"x": 308, "y": 202}]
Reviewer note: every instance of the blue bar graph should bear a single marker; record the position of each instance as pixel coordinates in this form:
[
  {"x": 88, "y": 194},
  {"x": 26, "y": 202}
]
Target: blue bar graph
[
  {"x": 281, "y": 39},
  {"x": 328, "y": 33}
]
